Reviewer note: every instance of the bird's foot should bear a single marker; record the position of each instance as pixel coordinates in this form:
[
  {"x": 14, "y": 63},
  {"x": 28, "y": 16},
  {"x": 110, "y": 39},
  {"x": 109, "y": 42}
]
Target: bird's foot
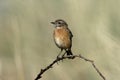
[{"x": 58, "y": 57}]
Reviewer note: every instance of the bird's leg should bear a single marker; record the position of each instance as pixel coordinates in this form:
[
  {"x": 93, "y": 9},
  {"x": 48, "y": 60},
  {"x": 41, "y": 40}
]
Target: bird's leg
[
  {"x": 59, "y": 53},
  {"x": 64, "y": 54}
]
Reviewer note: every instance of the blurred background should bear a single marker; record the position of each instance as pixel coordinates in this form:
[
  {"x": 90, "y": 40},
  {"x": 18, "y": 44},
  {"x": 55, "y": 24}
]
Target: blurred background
[{"x": 26, "y": 38}]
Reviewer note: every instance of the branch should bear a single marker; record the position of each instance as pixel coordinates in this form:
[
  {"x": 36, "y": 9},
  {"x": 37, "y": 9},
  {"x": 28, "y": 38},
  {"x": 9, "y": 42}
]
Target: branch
[{"x": 69, "y": 57}]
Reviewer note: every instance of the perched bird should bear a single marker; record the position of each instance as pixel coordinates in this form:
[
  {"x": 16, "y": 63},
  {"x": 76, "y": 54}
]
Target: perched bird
[{"x": 62, "y": 36}]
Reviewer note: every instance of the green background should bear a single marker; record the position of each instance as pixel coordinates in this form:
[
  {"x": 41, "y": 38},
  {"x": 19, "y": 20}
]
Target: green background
[{"x": 26, "y": 38}]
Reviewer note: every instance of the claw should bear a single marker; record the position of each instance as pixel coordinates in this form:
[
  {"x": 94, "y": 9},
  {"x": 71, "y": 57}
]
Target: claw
[{"x": 57, "y": 59}]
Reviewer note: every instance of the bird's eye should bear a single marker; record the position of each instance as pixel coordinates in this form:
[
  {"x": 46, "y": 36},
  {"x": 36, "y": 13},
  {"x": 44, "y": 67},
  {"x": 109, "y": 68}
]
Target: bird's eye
[{"x": 59, "y": 22}]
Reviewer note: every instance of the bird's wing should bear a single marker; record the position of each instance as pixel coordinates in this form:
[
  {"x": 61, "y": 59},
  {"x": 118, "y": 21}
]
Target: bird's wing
[{"x": 71, "y": 35}]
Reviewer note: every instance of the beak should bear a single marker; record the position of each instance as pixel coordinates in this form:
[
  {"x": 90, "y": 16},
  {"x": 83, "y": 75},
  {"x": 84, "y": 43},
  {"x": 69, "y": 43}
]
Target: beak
[{"x": 52, "y": 22}]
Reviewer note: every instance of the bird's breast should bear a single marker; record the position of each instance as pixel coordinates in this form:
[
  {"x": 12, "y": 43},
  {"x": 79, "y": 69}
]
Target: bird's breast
[{"x": 62, "y": 38}]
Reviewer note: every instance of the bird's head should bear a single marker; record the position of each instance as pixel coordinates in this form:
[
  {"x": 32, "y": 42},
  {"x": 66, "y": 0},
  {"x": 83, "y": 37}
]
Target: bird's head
[{"x": 59, "y": 23}]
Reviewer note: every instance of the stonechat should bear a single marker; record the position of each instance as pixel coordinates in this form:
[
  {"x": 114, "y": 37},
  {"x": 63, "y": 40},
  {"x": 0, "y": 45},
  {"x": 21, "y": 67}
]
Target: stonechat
[{"x": 62, "y": 36}]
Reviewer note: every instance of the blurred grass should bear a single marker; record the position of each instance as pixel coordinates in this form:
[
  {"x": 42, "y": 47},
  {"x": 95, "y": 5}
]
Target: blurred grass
[{"x": 26, "y": 43}]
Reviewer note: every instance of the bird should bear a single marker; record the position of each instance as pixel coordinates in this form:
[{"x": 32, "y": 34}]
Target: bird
[{"x": 62, "y": 36}]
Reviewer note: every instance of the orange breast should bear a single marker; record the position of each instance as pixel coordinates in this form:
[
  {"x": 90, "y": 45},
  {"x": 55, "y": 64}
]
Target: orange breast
[{"x": 62, "y": 38}]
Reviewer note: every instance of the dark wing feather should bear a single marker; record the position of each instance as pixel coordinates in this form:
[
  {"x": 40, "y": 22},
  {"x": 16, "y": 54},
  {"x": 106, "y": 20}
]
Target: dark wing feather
[{"x": 71, "y": 35}]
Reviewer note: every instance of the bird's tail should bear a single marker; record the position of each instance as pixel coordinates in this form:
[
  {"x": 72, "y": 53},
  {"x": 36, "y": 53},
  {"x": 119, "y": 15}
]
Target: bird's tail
[{"x": 69, "y": 52}]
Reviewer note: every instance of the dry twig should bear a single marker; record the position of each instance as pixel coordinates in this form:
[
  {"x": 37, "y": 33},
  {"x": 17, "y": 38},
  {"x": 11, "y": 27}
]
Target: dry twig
[{"x": 69, "y": 57}]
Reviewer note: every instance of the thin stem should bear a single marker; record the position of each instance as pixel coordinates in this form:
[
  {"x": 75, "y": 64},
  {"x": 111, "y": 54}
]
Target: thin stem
[{"x": 69, "y": 57}]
